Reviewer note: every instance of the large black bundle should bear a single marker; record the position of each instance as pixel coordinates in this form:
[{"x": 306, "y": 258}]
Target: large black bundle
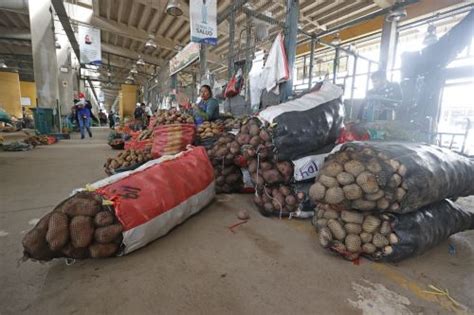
[
  {"x": 391, "y": 176},
  {"x": 427, "y": 227},
  {"x": 389, "y": 237},
  {"x": 300, "y": 133},
  {"x": 306, "y": 124}
]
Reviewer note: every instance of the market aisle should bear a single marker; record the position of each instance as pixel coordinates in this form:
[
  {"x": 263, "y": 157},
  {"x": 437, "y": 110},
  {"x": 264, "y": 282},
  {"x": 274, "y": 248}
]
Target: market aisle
[{"x": 266, "y": 266}]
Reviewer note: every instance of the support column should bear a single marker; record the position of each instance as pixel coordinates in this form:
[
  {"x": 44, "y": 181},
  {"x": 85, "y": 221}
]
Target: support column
[
  {"x": 388, "y": 45},
  {"x": 248, "y": 56},
  {"x": 291, "y": 25},
  {"x": 203, "y": 61},
  {"x": 230, "y": 70},
  {"x": 44, "y": 52},
  {"x": 311, "y": 63}
]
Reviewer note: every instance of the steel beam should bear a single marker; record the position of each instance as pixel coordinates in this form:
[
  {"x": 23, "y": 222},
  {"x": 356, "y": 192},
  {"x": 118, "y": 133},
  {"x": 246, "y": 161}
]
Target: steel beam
[
  {"x": 230, "y": 65},
  {"x": 388, "y": 45}
]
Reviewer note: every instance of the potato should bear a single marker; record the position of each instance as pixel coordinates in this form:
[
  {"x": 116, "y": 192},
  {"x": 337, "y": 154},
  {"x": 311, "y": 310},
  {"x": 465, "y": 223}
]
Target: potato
[
  {"x": 34, "y": 242},
  {"x": 345, "y": 178},
  {"x": 334, "y": 195},
  {"x": 354, "y": 167},
  {"x": 255, "y": 141},
  {"x": 234, "y": 147},
  {"x": 81, "y": 205},
  {"x": 353, "y": 243},
  {"x": 265, "y": 166},
  {"x": 375, "y": 196},
  {"x": 222, "y": 152},
  {"x": 290, "y": 200},
  {"x": 364, "y": 205},
  {"x": 264, "y": 136},
  {"x": 81, "y": 231},
  {"x": 58, "y": 232},
  {"x": 258, "y": 200},
  {"x": 285, "y": 191},
  {"x": 285, "y": 168},
  {"x": 268, "y": 206},
  {"x": 97, "y": 250},
  {"x": 272, "y": 176},
  {"x": 254, "y": 130},
  {"x": 257, "y": 180},
  {"x": 107, "y": 234},
  {"x": 374, "y": 166},
  {"x": 252, "y": 167},
  {"x": 327, "y": 181},
  {"x": 75, "y": 253},
  {"x": 317, "y": 192},
  {"x": 352, "y": 192},
  {"x": 331, "y": 168},
  {"x": 382, "y": 204},
  {"x": 103, "y": 218},
  {"x": 368, "y": 182},
  {"x": 243, "y": 139},
  {"x": 244, "y": 129}
]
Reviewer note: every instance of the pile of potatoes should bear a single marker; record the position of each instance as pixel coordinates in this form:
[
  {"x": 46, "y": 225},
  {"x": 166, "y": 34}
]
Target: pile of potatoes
[
  {"x": 361, "y": 179},
  {"x": 36, "y": 140},
  {"x": 210, "y": 129},
  {"x": 172, "y": 116},
  {"x": 229, "y": 179},
  {"x": 278, "y": 199},
  {"x": 80, "y": 227},
  {"x": 127, "y": 158},
  {"x": 145, "y": 134},
  {"x": 232, "y": 123},
  {"x": 352, "y": 233}
]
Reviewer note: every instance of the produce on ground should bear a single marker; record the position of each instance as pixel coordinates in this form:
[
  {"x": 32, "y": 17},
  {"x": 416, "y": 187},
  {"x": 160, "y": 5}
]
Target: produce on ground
[
  {"x": 278, "y": 200},
  {"x": 389, "y": 237},
  {"x": 126, "y": 159},
  {"x": 172, "y": 116},
  {"x": 392, "y": 177},
  {"x": 80, "y": 227}
]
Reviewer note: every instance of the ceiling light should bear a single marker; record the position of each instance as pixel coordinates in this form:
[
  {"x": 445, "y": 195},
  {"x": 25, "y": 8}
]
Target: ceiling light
[
  {"x": 109, "y": 74},
  {"x": 396, "y": 15},
  {"x": 3, "y": 64},
  {"x": 336, "y": 41},
  {"x": 150, "y": 42},
  {"x": 174, "y": 8},
  {"x": 134, "y": 70},
  {"x": 130, "y": 78},
  {"x": 140, "y": 61}
]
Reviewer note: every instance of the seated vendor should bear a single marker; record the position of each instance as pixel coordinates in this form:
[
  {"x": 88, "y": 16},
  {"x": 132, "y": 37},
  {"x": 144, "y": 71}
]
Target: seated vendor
[
  {"x": 208, "y": 107},
  {"x": 382, "y": 100}
]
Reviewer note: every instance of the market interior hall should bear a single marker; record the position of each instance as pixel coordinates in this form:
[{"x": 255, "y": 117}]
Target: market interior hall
[{"x": 236, "y": 156}]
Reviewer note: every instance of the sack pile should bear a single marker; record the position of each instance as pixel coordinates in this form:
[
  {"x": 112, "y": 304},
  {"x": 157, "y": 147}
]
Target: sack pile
[
  {"x": 80, "y": 227},
  {"x": 125, "y": 211},
  {"x": 385, "y": 200}
]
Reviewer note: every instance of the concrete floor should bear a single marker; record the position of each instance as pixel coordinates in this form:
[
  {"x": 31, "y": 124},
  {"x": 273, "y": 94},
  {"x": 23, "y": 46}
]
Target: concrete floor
[{"x": 268, "y": 266}]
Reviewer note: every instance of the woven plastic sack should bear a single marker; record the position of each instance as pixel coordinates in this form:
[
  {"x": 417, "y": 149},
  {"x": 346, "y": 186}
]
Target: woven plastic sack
[
  {"x": 138, "y": 144},
  {"x": 171, "y": 139},
  {"x": 306, "y": 124},
  {"x": 159, "y": 195}
]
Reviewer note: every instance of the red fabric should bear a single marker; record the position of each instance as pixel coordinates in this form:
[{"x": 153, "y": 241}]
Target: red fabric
[
  {"x": 285, "y": 58},
  {"x": 152, "y": 122},
  {"x": 233, "y": 87},
  {"x": 52, "y": 140},
  {"x": 138, "y": 145},
  {"x": 347, "y": 135},
  {"x": 171, "y": 139},
  {"x": 146, "y": 194},
  {"x": 240, "y": 161}
]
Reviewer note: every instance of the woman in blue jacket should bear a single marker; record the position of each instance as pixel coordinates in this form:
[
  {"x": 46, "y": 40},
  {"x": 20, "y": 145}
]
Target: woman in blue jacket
[{"x": 208, "y": 108}]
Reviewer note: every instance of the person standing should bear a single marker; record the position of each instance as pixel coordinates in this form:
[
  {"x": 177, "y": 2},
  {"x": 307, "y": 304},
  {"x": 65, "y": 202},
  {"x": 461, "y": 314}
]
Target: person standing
[
  {"x": 111, "y": 119},
  {"x": 84, "y": 116},
  {"x": 208, "y": 107}
]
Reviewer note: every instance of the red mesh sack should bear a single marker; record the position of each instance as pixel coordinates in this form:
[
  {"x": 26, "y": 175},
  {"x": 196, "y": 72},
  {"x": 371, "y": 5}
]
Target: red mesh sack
[{"x": 172, "y": 139}]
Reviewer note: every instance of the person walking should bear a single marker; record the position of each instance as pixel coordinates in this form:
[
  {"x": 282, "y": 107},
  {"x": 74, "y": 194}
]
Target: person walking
[{"x": 84, "y": 116}]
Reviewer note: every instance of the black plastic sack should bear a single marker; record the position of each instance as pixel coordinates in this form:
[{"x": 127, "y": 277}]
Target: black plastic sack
[
  {"x": 398, "y": 177},
  {"x": 424, "y": 229},
  {"x": 301, "y": 132}
]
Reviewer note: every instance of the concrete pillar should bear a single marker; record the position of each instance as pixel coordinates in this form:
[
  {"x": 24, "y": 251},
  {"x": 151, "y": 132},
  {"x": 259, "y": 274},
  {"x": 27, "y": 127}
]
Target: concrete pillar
[
  {"x": 44, "y": 52},
  {"x": 293, "y": 9},
  {"x": 65, "y": 71},
  {"x": 128, "y": 100},
  {"x": 388, "y": 45}
]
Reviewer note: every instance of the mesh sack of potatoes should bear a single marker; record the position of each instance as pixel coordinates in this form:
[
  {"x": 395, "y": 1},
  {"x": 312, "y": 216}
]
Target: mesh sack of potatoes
[
  {"x": 224, "y": 150},
  {"x": 229, "y": 179},
  {"x": 279, "y": 200},
  {"x": 126, "y": 160},
  {"x": 389, "y": 237},
  {"x": 75, "y": 229},
  {"x": 392, "y": 177}
]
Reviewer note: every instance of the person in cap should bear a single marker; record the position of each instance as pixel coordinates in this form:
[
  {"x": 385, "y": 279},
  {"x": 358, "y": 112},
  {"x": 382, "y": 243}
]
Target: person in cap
[{"x": 84, "y": 117}]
